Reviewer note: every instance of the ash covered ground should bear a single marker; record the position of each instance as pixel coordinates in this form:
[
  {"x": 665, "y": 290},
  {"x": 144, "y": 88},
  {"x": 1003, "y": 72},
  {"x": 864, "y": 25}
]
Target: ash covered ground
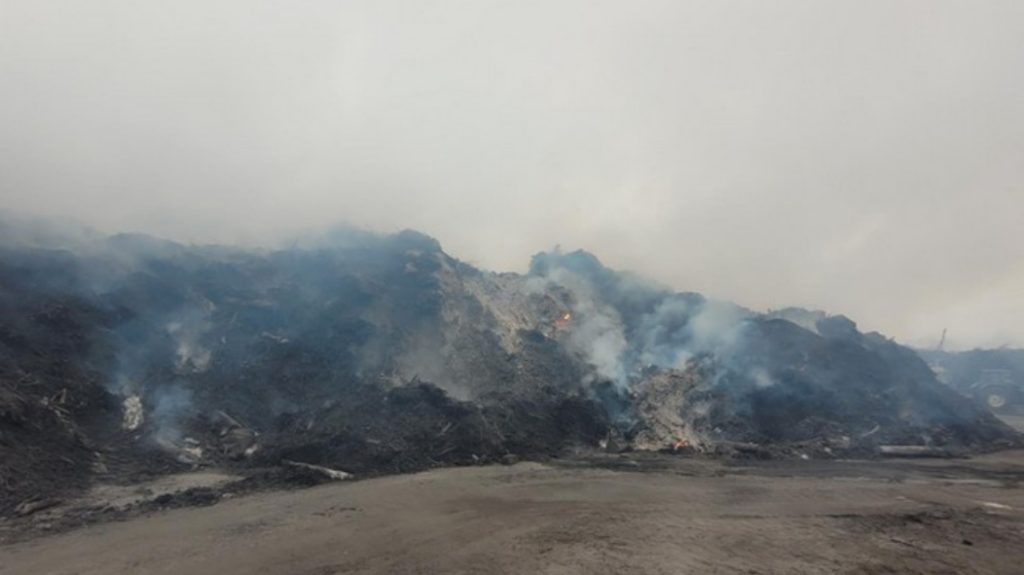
[{"x": 128, "y": 358}]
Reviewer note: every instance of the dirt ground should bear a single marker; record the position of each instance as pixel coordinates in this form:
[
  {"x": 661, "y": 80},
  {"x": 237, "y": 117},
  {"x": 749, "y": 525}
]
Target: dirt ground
[{"x": 606, "y": 514}]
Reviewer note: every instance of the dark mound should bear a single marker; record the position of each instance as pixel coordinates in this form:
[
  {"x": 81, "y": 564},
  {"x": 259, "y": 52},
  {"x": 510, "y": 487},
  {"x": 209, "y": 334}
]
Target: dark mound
[{"x": 128, "y": 355}]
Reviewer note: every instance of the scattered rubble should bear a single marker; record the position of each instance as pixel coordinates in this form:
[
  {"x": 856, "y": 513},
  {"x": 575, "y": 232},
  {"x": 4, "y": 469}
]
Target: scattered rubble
[
  {"x": 236, "y": 440},
  {"x": 189, "y": 451}
]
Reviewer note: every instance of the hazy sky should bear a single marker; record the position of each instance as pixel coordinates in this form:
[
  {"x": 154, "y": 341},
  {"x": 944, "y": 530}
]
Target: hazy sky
[{"x": 862, "y": 157}]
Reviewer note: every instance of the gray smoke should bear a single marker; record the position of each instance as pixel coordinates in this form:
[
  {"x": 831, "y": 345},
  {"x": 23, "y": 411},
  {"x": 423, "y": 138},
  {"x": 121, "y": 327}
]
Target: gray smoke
[
  {"x": 665, "y": 329},
  {"x": 170, "y": 407},
  {"x": 187, "y": 329},
  {"x": 597, "y": 330}
]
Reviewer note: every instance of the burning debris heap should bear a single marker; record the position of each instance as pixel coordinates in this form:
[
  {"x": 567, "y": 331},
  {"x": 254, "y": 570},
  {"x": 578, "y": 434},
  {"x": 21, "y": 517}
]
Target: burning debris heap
[{"x": 367, "y": 354}]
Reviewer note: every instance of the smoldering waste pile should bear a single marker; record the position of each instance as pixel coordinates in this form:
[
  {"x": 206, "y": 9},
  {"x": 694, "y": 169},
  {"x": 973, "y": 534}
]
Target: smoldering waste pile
[{"x": 377, "y": 354}]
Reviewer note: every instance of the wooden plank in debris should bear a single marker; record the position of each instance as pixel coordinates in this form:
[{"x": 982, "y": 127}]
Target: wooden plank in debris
[
  {"x": 333, "y": 474},
  {"x": 34, "y": 505},
  {"x": 913, "y": 451}
]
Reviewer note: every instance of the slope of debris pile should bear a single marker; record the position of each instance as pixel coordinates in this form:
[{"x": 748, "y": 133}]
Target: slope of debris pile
[
  {"x": 373, "y": 354},
  {"x": 711, "y": 376}
]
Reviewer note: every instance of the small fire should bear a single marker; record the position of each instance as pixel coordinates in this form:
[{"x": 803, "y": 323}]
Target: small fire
[
  {"x": 562, "y": 321},
  {"x": 680, "y": 443}
]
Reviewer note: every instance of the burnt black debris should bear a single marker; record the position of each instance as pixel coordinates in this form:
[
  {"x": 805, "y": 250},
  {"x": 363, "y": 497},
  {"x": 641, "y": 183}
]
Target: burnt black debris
[{"x": 128, "y": 356}]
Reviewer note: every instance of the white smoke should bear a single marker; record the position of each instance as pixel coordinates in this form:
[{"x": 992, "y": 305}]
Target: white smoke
[
  {"x": 679, "y": 328},
  {"x": 717, "y": 327},
  {"x": 188, "y": 329},
  {"x": 761, "y": 378},
  {"x": 661, "y": 340},
  {"x": 597, "y": 332},
  {"x": 171, "y": 406},
  {"x": 134, "y": 415}
]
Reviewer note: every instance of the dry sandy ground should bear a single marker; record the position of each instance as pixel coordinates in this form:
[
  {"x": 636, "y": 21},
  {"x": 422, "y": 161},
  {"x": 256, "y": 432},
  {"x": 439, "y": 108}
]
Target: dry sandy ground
[{"x": 624, "y": 514}]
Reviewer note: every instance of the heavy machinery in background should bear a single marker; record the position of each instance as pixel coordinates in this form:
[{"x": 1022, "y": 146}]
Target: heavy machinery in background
[
  {"x": 993, "y": 377},
  {"x": 998, "y": 389}
]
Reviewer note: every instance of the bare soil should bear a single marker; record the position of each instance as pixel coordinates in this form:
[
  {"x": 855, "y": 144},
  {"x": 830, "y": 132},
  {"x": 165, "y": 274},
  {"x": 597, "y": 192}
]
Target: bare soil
[{"x": 603, "y": 514}]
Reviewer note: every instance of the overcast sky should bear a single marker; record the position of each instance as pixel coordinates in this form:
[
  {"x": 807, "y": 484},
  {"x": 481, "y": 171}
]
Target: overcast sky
[{"x": 862, "y": 157}]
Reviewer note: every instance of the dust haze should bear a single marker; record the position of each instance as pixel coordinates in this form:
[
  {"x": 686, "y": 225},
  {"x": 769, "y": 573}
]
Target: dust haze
[{"x": 860, "y": 157}]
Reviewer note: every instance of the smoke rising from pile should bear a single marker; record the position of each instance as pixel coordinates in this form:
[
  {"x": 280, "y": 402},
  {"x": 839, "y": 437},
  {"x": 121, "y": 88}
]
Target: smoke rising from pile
[
  {"x": 665, "y": 329},
  {"x": 860, "y": 157},
  {"x": 283, "y": 339},
  {"x": 596, "y": 330},
  {"x": 171, "y": 405},
  {"x": 187, "y": 330}
]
